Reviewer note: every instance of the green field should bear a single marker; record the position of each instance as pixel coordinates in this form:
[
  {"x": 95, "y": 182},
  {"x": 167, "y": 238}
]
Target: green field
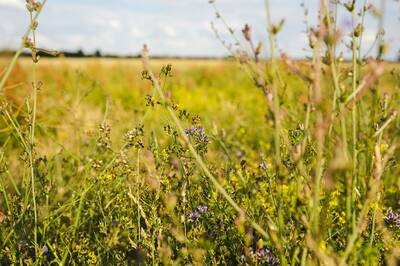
[{"x": 107, "y": 196}]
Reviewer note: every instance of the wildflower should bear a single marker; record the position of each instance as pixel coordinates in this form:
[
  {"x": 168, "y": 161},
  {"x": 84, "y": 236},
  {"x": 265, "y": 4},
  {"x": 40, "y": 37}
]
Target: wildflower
[
  {"x": 200, "y": 138},
  {"x": 202, "y": 209},
  {"x": 33, "y": 6},
  {"x": 196, "y": 130},
  {"x": 104, "y": 139},
  {"x": 197, "y": 213},
  {"x": 134, "y": 136},
  {"x": 258, "y": 49},
  {"x": 247, "y": 32},
  {"x": 45, "y": 249},
  {"x": 393, "y": 218},
  {"x": 262, "y": 256},
  {"x": 194, "y": 215},
  {"x": 97, "y": 164},
  {"x": 195, "y": 119},
  {"x": 150, "y": 101},
  {"x": 166, "y": 70}
]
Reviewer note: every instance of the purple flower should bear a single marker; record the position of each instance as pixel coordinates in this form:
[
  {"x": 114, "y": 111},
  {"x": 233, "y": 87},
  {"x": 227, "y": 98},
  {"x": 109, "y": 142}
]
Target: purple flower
[
  {"x": 45, "y": 249},
  {"x": 197, "y": 213},
  {"x": 198, "y": 132},
  {"x": 202, "y": 209},
  {"x": 393, "y": 218},
  {"x": 199, "y": 137},
  {"x": 194, "y": 215},
  {"x": 262, "y": 256},
  {"x": 265, "y": 255}
]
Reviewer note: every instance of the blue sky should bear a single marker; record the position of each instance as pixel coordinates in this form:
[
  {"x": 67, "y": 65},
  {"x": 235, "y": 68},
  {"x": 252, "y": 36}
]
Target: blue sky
[{"x": 172, "y": 27}]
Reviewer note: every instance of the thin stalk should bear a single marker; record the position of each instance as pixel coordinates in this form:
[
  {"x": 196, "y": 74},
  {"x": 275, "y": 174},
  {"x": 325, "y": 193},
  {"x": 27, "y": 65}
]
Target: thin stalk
[
  {"x": 333, "y": 67},
  {"x": 373, "y": 196},
  {"x": 17, "y": 129},
  {"x": 276, "y": 110},
  {"x": 138, "y": 192},
  {"x": 5, "y": 195},
  {"x": 360, "y": 38},
  {"x": 380, "y": 42},
  {"x": 355, "y": 92},
  {"x": 354, "y": 115},
  {"x": 32, "y": 132},
  {"x": 19, "y": 50},
  {"x": 379, "y": 132},
  {"x": 338, "y": 93},
  {"x": 319, "y": 134},
  {"x": 277, "y": 122}
]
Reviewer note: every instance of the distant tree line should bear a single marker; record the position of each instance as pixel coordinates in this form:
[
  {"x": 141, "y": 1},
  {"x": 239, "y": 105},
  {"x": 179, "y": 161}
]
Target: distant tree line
[{"x": 98, "y": 54}]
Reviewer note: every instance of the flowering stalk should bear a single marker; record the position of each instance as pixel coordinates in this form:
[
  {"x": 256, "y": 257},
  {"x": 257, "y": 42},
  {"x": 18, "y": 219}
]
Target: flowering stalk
[
  {"x": 33, "y": 7},
  {"x": 19, "y": 51}
]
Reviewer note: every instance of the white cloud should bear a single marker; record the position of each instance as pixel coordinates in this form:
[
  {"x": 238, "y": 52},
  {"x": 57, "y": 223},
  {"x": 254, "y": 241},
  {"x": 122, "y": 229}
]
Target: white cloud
[
  {"x": 115, "y": 24},
  {"x": 169, "y": 31},
  {"x": 12, "y": 3},
  {"x": 136, "y": 32}
]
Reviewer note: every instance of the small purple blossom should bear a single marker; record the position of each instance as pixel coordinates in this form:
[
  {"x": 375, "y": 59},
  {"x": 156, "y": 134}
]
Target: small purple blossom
[
  {"x": 393, "y": 218},
  {"x": 45, "y": 249},
  {"x": 194, "y": 215},
  {"x": 202, "y": 209},
  {"x": 200, "y": 139},
  {"x": 197, "y": 131},
  {"x": 262, "y": 256},
  {"x": 266, "y": 256},
  {"x": 197, "y": 213}
]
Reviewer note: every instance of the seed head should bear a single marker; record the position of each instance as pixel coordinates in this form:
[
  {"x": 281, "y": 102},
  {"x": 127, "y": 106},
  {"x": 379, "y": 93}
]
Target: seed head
[{"x": 247, "y": 32}]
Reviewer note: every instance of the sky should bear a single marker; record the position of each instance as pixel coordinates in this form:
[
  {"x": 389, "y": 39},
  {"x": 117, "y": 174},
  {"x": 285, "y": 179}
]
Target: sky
[{"x": 176, "y": 27}]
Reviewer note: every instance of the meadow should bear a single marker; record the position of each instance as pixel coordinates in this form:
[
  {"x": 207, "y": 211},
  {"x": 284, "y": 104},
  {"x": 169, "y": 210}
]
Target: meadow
[{"x": 240, "y": 161}]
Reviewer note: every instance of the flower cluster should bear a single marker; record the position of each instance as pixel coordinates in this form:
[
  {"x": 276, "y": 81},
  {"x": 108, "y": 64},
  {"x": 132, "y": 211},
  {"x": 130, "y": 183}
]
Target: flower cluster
[
  {"x": 393, "y": 218},
  {"x": 104, "y": 139},
  {"x": 197, "y": 213},
  {"x": 199, "y": 137},
  {"x": 33, "y": 6},
  {"x": 134, "y": 136},
  {"x": 262, "y": 256}
]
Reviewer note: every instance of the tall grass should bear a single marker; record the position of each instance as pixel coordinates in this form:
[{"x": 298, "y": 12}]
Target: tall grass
[{"x": 274, "y": 162}]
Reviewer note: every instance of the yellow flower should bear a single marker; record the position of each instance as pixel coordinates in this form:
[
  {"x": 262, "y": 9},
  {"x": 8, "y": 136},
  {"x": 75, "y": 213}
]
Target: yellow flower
[
  {"x": 285, "y": 189},
  {"x": 384, "y": 147},
  {"x": 341, "y": 218}
]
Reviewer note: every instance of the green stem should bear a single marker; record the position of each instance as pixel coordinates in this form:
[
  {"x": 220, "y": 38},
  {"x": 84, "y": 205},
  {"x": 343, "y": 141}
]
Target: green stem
[
  {"x": 354, "y": 116},
  {"x": 275, "y": 96},
  {"x": 19, "y": 51},
  {"x": 138, "y": 192},
  {"x": 32, "y": 135}
]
